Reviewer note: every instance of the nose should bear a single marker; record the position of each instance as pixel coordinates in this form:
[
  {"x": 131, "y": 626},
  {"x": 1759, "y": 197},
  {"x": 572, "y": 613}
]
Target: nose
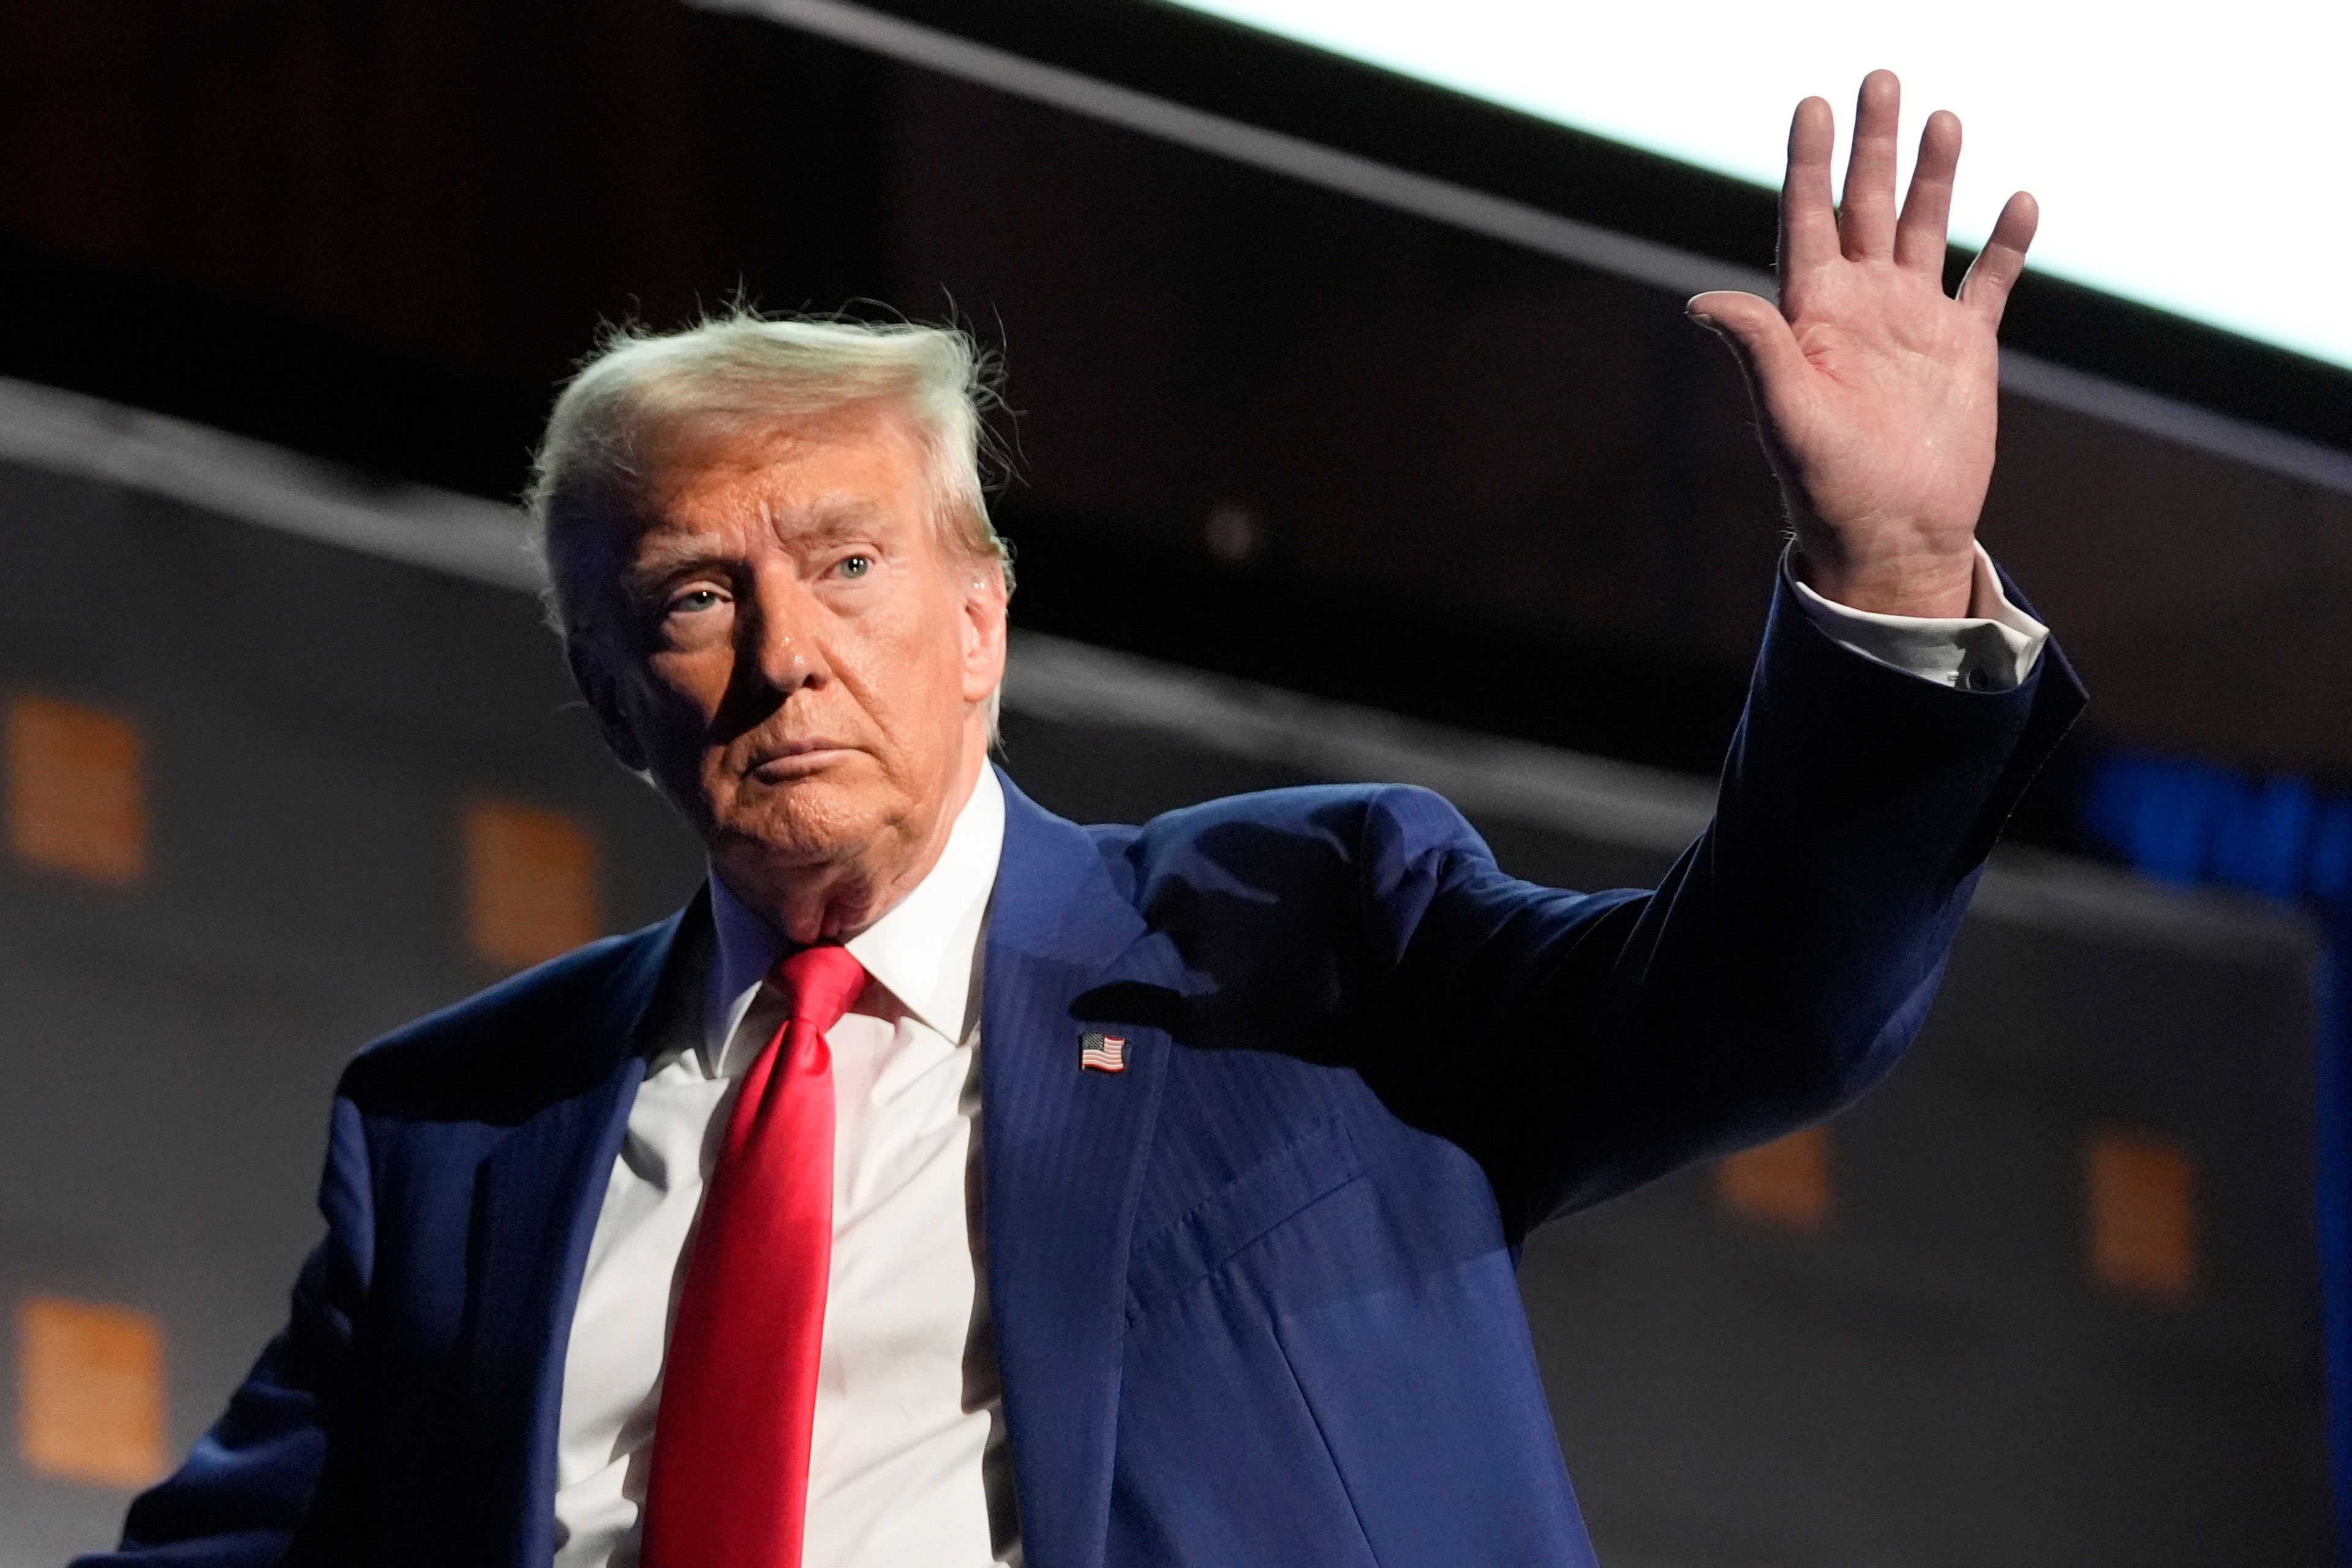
[{"x": 781, "y": 648}]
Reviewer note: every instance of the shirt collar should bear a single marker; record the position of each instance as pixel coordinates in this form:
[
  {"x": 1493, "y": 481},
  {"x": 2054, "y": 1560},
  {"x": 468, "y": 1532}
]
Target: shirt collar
[{"x": 924, "y": 950}]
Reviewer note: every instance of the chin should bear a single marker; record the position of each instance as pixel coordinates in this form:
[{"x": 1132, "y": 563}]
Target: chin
[{"x": 804, "y": 821}]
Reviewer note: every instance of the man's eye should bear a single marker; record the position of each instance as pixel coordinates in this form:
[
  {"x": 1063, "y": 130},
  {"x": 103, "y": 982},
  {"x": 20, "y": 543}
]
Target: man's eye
[
  {"x": 855, "y": 565},
  {"x": 696, "y": 600}
]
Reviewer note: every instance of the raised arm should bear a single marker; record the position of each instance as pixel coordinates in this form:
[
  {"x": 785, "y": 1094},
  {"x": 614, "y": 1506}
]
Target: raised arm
[
  {"x": 1582, "y": 1044},
  {"x": 1790, "y": 955}
]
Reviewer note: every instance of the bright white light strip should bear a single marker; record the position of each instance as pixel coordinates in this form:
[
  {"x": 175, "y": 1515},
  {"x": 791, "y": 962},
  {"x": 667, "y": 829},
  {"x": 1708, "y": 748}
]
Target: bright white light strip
[{"x": 2191, "y": 158}]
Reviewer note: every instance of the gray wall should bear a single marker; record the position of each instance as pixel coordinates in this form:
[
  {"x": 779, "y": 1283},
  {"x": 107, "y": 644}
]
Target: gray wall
[{"x": 1928, "y": 1380}]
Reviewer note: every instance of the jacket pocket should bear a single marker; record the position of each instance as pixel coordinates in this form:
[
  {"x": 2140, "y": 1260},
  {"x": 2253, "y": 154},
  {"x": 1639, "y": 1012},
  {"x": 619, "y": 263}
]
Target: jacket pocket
[{"x": 1279, "y": 1188}]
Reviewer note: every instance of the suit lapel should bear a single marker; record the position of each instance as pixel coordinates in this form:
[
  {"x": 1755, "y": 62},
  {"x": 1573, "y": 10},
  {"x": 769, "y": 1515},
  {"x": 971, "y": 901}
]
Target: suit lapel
[
  {"x": 1062, "y": 1148},
  {"x": 536, "y": 1201},
  {"x": 1063, "y": 1151}
]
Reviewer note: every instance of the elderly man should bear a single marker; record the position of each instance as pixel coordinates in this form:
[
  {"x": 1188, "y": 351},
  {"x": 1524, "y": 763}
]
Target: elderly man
[{"x": 948, "y": 1184}]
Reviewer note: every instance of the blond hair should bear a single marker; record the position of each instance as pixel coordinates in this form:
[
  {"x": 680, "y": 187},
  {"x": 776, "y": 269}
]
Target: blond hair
[{"x": 644, "y": 395}]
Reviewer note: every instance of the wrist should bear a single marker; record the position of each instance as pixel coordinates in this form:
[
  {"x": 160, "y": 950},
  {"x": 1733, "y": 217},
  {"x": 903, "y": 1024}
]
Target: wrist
[{"x": 1941, "y": 587}]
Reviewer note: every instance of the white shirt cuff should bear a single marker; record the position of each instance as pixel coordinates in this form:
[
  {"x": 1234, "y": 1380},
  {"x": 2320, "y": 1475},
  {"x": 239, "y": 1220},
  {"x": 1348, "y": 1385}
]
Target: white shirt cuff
[{"x": 1992, "y": 648}]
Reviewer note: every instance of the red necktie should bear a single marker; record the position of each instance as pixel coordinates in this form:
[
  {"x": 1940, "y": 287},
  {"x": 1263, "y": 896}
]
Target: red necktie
[{"x": 730, "y": 1482}]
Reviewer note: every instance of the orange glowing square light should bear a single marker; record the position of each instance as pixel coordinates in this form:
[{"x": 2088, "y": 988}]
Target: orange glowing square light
[
  {"x": 2141, "y": 1216},
  {"x": 530, "y": 883},
  {"x": 90, "y": 1400},
  {"x": 76, "y": 792},
  {"x": 1787, "y": 1182}
]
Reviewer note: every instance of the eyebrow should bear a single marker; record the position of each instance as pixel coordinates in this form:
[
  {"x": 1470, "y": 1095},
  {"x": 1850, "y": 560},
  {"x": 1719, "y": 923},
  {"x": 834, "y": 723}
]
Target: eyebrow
[
  {"x": 670, "y": 555},
  {"x": 824, "y": 520},
  {"x": 667, "y": 554}
]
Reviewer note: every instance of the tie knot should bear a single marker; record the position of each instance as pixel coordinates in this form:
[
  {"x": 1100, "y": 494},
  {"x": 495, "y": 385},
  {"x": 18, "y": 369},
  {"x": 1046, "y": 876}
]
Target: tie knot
[{"x": 819, "y": 983}]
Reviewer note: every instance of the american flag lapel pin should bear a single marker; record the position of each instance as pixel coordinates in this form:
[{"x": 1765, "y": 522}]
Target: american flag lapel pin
[{"x": 1101, "y": 1052}]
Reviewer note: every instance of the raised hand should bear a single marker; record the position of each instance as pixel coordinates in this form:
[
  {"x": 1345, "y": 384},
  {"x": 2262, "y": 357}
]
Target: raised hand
[{"x": 1877, "y": 393}]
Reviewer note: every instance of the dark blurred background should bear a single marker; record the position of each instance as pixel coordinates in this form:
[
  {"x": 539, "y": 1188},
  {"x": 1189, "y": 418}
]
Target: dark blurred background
[{"x": 1305, "y": 486}]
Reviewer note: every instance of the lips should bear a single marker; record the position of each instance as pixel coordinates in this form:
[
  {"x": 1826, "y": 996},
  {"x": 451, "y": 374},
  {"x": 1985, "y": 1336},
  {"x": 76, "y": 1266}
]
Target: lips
[{"x": 792, "y": 758}]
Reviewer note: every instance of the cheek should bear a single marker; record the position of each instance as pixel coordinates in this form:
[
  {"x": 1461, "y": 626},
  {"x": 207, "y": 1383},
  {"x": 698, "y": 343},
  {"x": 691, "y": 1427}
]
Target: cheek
[
  {"x": 681, "y": 693},
  {"x": 914, "y": 659}
]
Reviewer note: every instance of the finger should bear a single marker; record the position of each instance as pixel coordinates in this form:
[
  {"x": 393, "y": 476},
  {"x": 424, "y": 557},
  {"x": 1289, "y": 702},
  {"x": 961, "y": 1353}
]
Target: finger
[
  {"x": 1986, "y": 288},
  {"x": 1928, "y": 209},
  {"x": 1868, "y": 229},
  {"x": 1759, "y": 336},
  {"x": 1809, "y": 229}
]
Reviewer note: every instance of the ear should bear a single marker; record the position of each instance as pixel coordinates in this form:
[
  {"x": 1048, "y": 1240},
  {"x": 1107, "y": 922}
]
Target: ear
[
  {"x": 592, "y": 674},
  {"x": 984, "y": 602}
]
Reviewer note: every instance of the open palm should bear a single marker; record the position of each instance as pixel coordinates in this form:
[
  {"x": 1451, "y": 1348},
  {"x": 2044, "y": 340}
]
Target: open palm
[{"x": 1878, "y": 394}]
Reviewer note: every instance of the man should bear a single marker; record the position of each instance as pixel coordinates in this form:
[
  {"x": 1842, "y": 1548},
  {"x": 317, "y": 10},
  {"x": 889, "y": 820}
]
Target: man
[{"x": 949, "y": 1185}]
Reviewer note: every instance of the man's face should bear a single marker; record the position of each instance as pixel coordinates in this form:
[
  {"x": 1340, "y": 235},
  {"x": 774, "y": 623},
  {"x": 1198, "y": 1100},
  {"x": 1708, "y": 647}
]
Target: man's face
[{"x": 782, "y": 643}]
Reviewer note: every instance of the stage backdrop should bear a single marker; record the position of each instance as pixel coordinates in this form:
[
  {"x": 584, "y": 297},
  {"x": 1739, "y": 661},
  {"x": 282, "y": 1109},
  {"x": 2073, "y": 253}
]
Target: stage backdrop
[{"x": 289, "y": 759}]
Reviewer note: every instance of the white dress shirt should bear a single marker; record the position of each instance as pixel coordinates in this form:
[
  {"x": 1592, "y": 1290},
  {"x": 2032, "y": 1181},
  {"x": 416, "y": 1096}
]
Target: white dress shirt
[
  {"x": 910, "y": 1466},
  {"x": 1992, "y": 648}
]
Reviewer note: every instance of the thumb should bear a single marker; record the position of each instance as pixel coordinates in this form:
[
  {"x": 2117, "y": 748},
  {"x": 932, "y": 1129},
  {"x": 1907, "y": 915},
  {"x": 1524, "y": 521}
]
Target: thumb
[{"x": 1755, "y": 330}]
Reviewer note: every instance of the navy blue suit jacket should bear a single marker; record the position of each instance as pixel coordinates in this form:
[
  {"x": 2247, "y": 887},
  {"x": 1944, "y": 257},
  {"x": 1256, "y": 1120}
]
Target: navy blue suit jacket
[{"x": 1254, "y": 1297}]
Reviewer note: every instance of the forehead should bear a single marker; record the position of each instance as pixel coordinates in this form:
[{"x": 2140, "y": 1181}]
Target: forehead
[{"x": 863, "y": 461}]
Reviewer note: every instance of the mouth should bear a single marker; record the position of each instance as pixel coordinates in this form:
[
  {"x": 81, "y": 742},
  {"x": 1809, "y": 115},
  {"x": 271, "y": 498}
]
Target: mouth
[{"x": 796, "y": 758}]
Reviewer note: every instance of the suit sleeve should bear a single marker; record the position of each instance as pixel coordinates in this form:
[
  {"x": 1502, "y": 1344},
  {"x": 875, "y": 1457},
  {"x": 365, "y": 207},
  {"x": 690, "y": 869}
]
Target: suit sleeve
[
  {"x": 1582, "y": 1044},
  {"x": 251, "y": 1491}
]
